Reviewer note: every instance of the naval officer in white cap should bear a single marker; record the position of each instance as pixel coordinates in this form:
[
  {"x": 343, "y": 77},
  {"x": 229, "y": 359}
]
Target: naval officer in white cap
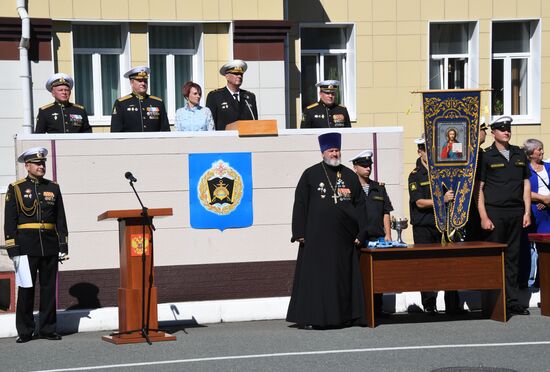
[
  {"x": 139, "y": 111},
  {"x": 36, "y": 235},
  {"x": 231, "y": 103},
  {"x": 326, "y": 113},
  {"x": 62, "y": 116}
]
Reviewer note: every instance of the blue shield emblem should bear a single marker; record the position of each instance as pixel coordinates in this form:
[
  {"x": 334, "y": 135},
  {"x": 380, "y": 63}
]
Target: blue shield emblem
[{"x": 220, "y": 190}]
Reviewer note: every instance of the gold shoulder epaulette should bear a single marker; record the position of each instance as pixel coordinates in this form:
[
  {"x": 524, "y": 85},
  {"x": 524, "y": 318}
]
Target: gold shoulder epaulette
[
  {"x": 19, "y": 181},
  {"x": 313, "y": 105},
  {"x": 79, "y": 106},
  {"x": 125, "y": 98},
  {"x": 157, "y": 98},
  {"x": 415, "y": 170},
  {"x": 47, "y": 106}
]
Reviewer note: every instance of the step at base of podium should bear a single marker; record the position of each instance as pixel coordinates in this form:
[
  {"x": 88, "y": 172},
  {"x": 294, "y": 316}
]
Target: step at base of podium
[{"x": 136, "y": 338}]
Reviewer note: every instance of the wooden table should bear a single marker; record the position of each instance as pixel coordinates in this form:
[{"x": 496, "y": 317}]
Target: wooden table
[
  {"x": 433, "y": 267},
  {"x": 543, "y": 248}
]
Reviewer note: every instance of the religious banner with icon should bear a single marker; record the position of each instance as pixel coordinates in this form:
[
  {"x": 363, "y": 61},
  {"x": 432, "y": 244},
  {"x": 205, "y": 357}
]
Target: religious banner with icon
[
  {"x": 451, "y": 126},
  {"x": 220, "y": 190}
]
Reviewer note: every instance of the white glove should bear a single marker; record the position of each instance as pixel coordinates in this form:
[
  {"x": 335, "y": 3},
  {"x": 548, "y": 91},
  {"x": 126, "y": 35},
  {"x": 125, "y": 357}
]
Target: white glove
[
  {"x": 62, "y": 257},
  {"x": 15, "y": 260}
]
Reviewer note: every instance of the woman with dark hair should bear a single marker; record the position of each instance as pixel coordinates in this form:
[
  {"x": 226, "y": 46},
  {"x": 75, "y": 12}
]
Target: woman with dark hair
[{"x": 192, "y": 116}]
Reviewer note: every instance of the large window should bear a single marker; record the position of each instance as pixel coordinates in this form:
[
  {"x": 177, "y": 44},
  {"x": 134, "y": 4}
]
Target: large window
[
  {"x": 515, "y": 65},
  {"x": 453, "y": 55},
  {"x": 326, "y": 54},
  {"x": 172, "y": 56},
  {"x": 97, "y": 60}
]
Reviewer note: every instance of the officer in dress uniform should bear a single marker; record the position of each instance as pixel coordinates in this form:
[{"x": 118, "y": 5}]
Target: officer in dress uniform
[
  {"x": 35, "y": 228},
  {"x": 326, "y": 113},
  {"x": 138, "y": 111},
  {"x": 62, "y": 116},
  {"x": 505, "y": 202},
  {"x": 423, "y": 223},
  {"x": 231, "y": 103},
  {"x": 378, "y": 205}
]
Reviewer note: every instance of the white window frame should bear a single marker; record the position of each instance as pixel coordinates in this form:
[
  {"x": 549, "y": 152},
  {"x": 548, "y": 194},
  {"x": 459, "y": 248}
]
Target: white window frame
[
  {"x": 347, "y": 94},
  {"x": 124, "y": 61},
  {"x": 196, "y": 59},
  {"x": 533, "y": 75},
  {"x": 471, "y": 65}
]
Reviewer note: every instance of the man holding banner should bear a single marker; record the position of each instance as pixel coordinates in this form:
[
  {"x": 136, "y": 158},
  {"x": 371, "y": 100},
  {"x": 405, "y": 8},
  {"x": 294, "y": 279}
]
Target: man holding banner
[
  {"x": 423, "y": 221},
  {"x": 505, "y": 202}
]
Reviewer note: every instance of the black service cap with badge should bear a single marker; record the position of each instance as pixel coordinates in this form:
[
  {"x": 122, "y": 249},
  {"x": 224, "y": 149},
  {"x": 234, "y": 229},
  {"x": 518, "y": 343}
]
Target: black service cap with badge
[
  {"x": 57, "y": 79},
  {"x": 363, "y": 159},
  {"x": 328, "y": 85},
  {"x": 33, "y": 155},
  {"x": 237, "y": 66},
  {"x": 138, "y": 73},
  {"x": 503, "y": 123}
]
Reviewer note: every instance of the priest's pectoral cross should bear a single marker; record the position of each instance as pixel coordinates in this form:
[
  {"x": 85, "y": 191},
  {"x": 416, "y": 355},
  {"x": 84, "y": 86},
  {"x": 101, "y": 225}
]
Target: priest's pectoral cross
[{"x": 335, "y": 197}]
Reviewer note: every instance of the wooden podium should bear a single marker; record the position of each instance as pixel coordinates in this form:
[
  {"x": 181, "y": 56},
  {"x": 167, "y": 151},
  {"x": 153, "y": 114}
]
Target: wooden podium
[
  {"x": 254, "y": 128},
  {"x": 130, "y": 296}
]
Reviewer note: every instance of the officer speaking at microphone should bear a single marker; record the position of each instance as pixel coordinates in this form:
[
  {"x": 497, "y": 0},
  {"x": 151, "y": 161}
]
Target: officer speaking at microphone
[
  {"x": 36, "y": 236},
  {"x": 139, "y": 111},
  {"x": 231, "y": 103}
]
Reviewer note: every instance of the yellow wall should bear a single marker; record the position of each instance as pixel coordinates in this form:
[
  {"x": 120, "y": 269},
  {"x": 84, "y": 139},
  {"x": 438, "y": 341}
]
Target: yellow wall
[
  {"x": 392, "y": 56},
  {"x": 157, "y": 10}
]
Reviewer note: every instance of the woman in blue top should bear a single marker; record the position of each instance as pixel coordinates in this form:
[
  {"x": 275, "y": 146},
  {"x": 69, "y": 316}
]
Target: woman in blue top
[
  {"x": 192, "y": 116},
  {"x": 540, "y": 205},
  {"x": 540, "y": 185}
]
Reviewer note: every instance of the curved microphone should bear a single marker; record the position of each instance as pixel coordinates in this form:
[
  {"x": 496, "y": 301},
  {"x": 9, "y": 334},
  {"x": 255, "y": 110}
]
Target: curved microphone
[{"x": 130, "y": 177}]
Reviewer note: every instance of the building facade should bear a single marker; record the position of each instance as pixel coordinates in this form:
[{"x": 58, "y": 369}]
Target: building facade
[{"x": 381, "y": 51}]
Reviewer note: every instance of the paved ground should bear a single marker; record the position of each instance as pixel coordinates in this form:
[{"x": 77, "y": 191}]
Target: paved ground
[{"x": 405, "y": 342}]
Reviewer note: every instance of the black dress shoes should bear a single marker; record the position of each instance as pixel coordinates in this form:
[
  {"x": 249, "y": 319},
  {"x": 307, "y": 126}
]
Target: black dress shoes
[
  {"x": 51, "y": 336},
  {"x": 23, "y": 339},
  {"x": 382, "y": 314},
  {"x": 432, "y": 310},
  {"x": 518, "y": 310}
]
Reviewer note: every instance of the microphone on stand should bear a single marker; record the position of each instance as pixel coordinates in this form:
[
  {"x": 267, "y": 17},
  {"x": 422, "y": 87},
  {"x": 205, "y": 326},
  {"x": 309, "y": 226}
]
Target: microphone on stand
[{"x": 130, "y": 177}]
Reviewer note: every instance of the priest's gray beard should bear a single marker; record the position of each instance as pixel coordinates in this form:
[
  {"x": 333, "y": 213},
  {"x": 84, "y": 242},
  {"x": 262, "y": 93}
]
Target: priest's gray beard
[{"x": 332, "y": 162}]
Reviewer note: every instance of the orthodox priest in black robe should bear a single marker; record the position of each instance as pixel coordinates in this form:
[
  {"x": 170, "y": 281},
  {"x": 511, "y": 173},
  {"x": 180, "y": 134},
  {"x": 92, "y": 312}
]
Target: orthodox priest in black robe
[{"x": 329, "y": 208}]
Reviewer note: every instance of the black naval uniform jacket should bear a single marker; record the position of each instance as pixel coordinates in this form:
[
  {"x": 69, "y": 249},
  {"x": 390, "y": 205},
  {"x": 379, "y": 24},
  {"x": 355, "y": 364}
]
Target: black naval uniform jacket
[
  {"x": 318, "y": 115},
  {"x": 135, "y": 113},
  {"x": 60, "y": 117},
  {"x": 35, "y": 222},
  {"x": 503, "y": 189},
  {"x": 378, "y": 204},
  {"x": 419, "y": 188},
  {"x": 226, "y": 109}
]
